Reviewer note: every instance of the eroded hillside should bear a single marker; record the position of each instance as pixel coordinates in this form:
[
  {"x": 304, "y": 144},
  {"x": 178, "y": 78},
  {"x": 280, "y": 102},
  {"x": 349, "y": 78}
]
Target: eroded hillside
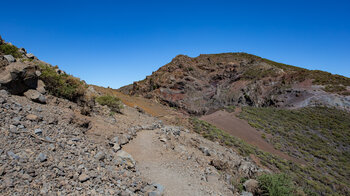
[{"x": 210, "y": 82}]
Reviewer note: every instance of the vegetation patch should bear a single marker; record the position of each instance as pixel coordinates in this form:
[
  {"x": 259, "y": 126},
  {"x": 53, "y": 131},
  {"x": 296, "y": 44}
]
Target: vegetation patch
[
  {"x": 256, "y": 73},
  {"x": 276, "y": 185},
  {"x": 114, "y": 103},
  {"x": 62, "y": 85},
  {"x": 8, "y": 49},
  {"x": 334, "y": 88},
  {"x": 230, "y": 108},
  {"x": 319, "y": 135},
  {"x": 272, "y": 162}
]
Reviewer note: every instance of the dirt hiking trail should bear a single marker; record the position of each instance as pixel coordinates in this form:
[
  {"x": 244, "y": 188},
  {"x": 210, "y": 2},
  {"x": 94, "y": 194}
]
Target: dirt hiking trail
[{"x": 167, "y": 168}]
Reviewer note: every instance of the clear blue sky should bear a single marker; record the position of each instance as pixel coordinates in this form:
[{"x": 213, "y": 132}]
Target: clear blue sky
[{"x": 113, "y": 43}]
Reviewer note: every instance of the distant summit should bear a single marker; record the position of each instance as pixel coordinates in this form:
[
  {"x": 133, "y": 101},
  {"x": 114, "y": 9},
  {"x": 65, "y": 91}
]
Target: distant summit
[{"x": 212, "y": 81}]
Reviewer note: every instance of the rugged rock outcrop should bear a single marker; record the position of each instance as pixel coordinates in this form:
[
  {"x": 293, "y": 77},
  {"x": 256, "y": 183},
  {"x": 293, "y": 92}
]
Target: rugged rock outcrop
[
  {"x": 210, "y": 82},
  {"x": 19, "y": 77}
]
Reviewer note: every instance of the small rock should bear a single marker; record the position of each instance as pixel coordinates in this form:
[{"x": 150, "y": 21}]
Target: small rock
[
  {"x": 126, "y": 159},
  {"x": 38, "y": 131},
  {"x": 83, "y": 177},
  {"x": 100, "y": 156},
  {"x": 13, "y": 155},
  {"x": 30, "y": 55},
  {"x": 163, "y": 140},
  {"x": 32, "y": 117},
  {"x": 42, "y": 157},
  {"x": 205, "y": 150}
]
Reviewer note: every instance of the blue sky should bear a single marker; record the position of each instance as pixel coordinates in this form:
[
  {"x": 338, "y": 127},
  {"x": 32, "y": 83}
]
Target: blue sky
[{"x": 113, "y": 43}]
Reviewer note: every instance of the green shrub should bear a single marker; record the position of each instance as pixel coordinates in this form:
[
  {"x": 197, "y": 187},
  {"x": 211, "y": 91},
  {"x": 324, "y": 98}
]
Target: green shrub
[
  {"x": 8, "y": 49},
  {"x": 112, "y": 102},
  {"x": 334, "y": 88},
  {"x": 275, "y": 185},
  {"x": 230, "y": 108},
  {"x": 62, "y": 85}
]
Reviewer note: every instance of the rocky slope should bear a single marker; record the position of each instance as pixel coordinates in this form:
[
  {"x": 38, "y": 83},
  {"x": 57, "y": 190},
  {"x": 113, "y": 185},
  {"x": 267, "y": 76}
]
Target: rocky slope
[
  {"x": 210, "y": 82},
  {"x": 53, "y": 140}
]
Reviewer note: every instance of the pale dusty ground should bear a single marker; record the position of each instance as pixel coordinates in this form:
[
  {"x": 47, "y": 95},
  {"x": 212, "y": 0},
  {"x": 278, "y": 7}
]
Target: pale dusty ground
[{"x": 168, "y": 167}]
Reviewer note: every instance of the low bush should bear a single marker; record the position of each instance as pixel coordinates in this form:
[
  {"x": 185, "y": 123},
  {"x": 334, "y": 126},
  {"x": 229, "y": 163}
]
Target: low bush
[
  {"x": 319, "y": 135},
  {"x": 112, "y": 102},
  {"x": 275, "y": 185},
  {"x": 8, "y": 49},
  {"x": 62, "y": 85}
]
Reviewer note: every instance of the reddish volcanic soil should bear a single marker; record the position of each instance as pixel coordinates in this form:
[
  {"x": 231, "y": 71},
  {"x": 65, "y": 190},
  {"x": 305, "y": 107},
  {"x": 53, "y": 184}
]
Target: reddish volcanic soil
[{"x": 241, "y": 129}]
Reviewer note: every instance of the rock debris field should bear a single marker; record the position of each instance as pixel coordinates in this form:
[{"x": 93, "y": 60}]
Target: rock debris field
[{"x": 51, "y": 149}]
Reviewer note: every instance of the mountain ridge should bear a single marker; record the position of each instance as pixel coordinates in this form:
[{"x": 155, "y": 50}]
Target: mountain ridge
[{"x": 240, "y": 79}]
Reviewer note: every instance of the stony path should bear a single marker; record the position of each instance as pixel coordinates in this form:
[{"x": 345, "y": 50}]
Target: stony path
[{"x": 179, "y": 177}]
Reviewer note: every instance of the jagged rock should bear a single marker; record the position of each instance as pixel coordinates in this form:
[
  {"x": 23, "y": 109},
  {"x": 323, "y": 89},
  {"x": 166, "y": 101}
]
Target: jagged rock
[
  {"x": 205, "y": 150},
  {"x": 219, "y": 164},
  {"x": 172, "y": 130},
  {"x": 18, "y": 77},
  {"x": 30, "y": 56},
  {"x": 35, "y": 96},
  {"x": 251, "y": 185},
  {"x": 22, "y": 51},
  {"x": 126, "y": 159},
  {"x": 9, "y": 58}
]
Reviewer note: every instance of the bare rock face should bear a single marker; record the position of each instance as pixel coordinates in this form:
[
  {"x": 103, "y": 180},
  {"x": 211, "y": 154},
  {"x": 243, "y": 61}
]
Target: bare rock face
[{"x": 19, "y": 77}]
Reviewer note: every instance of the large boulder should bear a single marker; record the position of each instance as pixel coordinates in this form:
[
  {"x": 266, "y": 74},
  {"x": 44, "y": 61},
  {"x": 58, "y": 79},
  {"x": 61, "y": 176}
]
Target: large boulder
[
  {"x": 19, "y": 77},
  {"x": 35, "y": 96},
  {"x": 9, "y": 58},
  {"x": 251, "y": 185}
]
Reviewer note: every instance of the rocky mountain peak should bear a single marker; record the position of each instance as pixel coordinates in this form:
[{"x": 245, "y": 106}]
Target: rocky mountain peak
[{"x": 213, "y": 81}]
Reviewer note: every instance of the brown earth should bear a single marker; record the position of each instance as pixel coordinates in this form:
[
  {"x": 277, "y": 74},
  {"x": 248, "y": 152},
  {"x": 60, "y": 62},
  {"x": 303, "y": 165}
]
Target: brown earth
[
  {"x": 152, "y": 107},
  {"x": 239, "y": 128}
]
